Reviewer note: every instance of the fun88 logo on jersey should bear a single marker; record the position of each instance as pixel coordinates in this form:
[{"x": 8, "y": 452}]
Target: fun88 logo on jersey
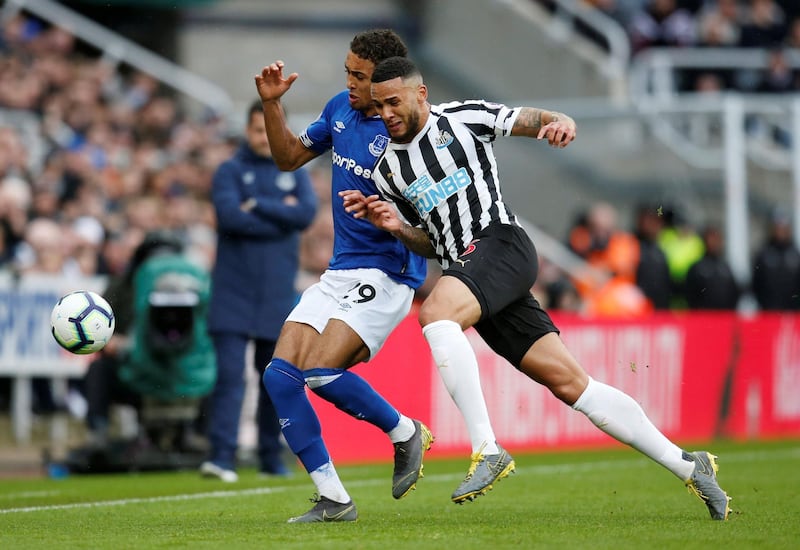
[
  {"x": 350, "y": 165},
  {"x": 426, "y": 195}
]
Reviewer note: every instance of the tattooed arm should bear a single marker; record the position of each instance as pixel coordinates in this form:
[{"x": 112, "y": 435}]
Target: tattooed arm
[
  {"x": 416, "y": 240},
  {"x": 557, "y": 128}
]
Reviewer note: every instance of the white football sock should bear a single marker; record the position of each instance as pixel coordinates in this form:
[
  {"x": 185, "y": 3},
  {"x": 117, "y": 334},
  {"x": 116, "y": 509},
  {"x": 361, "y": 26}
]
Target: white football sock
[
  {"x": 328, "y": 483},
  {"x": 403, "y": 431},
  {"x": 458, "y": 367},
  {"x": 618, "y": 415}
]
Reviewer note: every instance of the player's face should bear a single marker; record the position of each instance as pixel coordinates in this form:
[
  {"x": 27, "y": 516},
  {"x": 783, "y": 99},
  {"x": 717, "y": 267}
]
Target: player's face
[
  {"x": 257, "y": 135},
  {"x": 401, "y": 106},
  {"x": 359, "y": 72}
]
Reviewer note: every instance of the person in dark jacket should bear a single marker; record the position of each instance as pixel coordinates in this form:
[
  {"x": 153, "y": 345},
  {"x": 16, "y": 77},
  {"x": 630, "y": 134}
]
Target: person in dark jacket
[
  {"x": 652, "y": 273},
  {"x": 261, "y": 212},
  {"x": 776, "y": 267},
  {"x": 710, "y": 283}
]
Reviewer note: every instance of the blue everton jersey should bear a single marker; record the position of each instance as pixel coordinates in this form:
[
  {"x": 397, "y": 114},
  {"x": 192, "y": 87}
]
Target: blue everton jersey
[{"x": 356, "y": 142}]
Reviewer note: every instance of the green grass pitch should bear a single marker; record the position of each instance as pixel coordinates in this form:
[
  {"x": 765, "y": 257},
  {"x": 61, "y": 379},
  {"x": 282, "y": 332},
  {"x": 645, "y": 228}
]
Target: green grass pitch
[{"x": 593, "y": 499}]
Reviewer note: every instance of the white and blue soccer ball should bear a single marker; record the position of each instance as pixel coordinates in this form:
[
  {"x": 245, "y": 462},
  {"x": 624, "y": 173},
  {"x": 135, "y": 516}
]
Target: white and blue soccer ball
[{"x": 82, "y": 322}]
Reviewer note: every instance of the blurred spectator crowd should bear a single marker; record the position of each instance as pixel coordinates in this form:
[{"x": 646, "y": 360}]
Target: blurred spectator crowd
[
  {"x": 94, "y": 156},
  {"x": 667, "y": 263},
  {"x": 773, "y": 25}
]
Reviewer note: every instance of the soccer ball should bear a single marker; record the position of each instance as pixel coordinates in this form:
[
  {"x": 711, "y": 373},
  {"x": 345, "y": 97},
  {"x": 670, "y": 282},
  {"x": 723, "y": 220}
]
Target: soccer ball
[{"x": 82, "y": 322}]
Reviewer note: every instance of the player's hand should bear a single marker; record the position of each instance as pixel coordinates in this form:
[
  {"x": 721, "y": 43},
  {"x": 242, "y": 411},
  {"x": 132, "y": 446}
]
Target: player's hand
[
  {"x": 379, "y": 213},
  {"x": 383, "y": 215},
  {"x": 354, "y": 202},
  {"x": 271, "y": 84},
  {"x": 559, "y": 133}
]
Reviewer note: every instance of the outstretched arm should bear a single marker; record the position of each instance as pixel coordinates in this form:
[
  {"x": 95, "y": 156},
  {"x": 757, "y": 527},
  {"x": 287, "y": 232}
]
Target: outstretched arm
[
  {"x": 287, "y": 149},
  {"x": 557, "y": 128},
  {"x": 383, "y": 215}
]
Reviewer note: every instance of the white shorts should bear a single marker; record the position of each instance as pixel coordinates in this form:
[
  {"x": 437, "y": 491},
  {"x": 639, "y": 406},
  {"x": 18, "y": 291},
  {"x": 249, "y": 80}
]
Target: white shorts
[{"x": 367, "y": 300}]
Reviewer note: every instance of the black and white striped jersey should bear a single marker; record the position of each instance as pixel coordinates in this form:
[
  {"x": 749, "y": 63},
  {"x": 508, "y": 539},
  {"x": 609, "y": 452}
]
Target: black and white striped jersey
[{"x": 445, "y": 180}]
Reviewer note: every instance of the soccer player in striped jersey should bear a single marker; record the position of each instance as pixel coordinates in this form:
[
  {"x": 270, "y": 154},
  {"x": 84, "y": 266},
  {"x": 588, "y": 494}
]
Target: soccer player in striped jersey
[
  {"x": 441, "y": 173},
  {"x": 366, "y": 291}
]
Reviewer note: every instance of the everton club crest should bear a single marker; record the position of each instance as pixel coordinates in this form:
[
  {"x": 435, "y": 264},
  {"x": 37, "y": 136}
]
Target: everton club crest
[{"x": 378, "y": 145}]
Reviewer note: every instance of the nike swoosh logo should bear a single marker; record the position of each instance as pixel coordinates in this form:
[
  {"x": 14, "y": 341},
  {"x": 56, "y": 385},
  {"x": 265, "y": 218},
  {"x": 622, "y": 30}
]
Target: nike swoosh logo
[{"x": 335, "y": 517}]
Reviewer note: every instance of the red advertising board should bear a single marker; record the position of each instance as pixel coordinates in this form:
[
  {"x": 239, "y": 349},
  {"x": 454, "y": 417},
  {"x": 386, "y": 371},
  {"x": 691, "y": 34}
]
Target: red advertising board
[{"x": 697, "y": 376}]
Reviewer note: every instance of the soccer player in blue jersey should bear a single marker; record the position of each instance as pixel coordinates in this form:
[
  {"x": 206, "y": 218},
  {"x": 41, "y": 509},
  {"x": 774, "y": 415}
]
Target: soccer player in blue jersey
[{"x": 366, "y": 291}]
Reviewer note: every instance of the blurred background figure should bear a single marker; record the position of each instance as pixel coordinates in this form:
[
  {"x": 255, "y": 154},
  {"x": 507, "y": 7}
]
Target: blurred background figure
[
  {"x": 652, "y": 273},
  {"x": 779, "y": 78},
  {"x": 776, "y": 266},
  {"x": 15, "y": 203},
  {"x": 682, "y": 246},
  {"x": 260, "y": 214},
  {"x": 710, "y": 283},
  {"x": 554, "y": 289},
  {"x": 764, "y": 25},
  {"x": 599, "y": 240},
  {"x": 615, "y": 253},
  {"x": 618, "y": 297},
  {"x": 661, "y": 23},
  {"x": 88, "y": 236},
  {"x": 719, "y": 24}
]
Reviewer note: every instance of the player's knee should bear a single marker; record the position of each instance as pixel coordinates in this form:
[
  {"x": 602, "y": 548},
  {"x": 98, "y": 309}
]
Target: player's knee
[
  {"x": 430, "y": 311},
  {"x": 296, "y": 342},
  {"x": 567, "y": 393},
  {"x": 548, "y": 363},
  {"x": 338, "y": 354},
  {"x": 281, "y": 379},
  {"x": 565, "y": 384},
  {"x": 462, "y": 309}
]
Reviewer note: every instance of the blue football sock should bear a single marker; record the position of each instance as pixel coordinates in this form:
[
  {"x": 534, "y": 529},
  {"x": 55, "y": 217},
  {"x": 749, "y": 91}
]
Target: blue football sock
[
  {"x": 352, "y": 394},
  {"x": 299, "y": 423}
]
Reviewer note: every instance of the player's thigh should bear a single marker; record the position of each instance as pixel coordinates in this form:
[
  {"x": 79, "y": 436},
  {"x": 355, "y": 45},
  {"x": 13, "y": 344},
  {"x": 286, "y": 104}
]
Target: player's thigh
[
  {"x": 300, "y": 333},
  {"x": 550, "y": 363},
  {"x": 295, "y": 342},
  {"x": 339, "y": 347},
  {"x": 450, "y": 299}
]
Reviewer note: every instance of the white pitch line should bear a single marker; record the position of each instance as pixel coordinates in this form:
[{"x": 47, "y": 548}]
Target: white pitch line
[
  {"x": 147, "y": 500},
  {"x": 531, "y": 470}
]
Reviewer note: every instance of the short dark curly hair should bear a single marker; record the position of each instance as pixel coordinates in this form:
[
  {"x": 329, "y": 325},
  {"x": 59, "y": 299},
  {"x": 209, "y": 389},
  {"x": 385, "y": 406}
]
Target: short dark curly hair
[
  {"x": 394, "y": 67},
  {"x": 378, "y": 44}
]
